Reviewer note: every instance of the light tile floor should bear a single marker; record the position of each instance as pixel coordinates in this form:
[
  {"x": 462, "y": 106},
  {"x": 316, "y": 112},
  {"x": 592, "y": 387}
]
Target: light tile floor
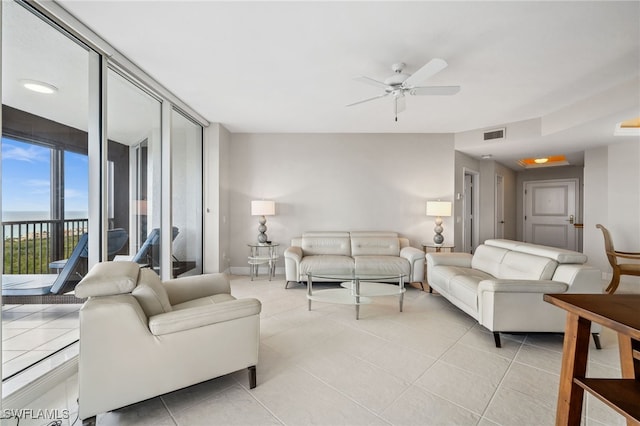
[
  {"x": 429, "y": 365},
  {"x": 30, "y": 333}
]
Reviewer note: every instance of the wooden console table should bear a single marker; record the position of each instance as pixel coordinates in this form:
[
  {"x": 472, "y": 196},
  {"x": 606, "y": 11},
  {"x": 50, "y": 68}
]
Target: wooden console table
[{"x": 620, "y": 313}]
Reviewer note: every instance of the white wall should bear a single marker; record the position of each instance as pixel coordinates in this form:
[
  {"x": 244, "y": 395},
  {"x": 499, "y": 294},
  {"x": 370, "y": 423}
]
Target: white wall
[
  {"x": 612, "y": 198},
  {"x": 487, "y": 169},
  {"x": 486, "y": 220},
  {"x": 510, "y": 200},
  {"x": 338, "y": 182}
]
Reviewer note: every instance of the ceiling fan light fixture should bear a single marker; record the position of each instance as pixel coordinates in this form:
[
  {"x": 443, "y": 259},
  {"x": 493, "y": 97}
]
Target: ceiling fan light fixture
[{"x": 39, "y": 86}]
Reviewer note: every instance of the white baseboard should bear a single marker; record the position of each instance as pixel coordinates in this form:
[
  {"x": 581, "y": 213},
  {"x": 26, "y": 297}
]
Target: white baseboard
[{"x": 244, "y": 270}]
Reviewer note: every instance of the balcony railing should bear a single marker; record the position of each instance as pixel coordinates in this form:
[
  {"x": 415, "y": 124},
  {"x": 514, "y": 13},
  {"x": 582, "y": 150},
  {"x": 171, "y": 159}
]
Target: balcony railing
[{"x": 29, "y": 246}]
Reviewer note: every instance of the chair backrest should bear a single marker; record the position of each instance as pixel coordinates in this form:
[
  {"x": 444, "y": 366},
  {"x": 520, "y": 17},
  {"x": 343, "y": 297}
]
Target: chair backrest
[
  {"x": 66, "y": 280},
  {"x": 148, "y": 252},
  {"x": 116, "y": 239},
  {"x": 608, "y": 245}
]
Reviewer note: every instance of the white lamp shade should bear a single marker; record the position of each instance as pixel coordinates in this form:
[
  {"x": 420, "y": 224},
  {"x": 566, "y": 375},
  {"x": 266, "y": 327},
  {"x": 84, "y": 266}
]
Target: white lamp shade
[
  {"x": 438, "y": 208},
  {"x": 263, "y": 208}
]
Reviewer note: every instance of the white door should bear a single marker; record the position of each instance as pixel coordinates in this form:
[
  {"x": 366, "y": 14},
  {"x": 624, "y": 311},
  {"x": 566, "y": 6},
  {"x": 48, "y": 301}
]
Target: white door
[
  {"x": 499, "y": 228},
  {"x": 550, "y": 212}
]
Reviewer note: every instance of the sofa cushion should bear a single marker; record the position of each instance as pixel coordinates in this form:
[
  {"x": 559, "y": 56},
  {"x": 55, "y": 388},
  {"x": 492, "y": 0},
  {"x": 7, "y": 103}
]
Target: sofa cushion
[
  {"x": 216, "y": 298},
  {"x": 443, "y": 275},
  {"x": 488, "y": 259},
  {"x": 373, "y": 234},
  {"x": 342, "y": 234},
  {"x": 327, "y": 264},
  {"x": 382, "y": 265},
  {"x": 109, "y": 278},
  {"x": 375, "y": 246},
  {"x": 150, "y": 293},
  {"x": 522, "y": 266},
  {"x": 329, "y": 244}
]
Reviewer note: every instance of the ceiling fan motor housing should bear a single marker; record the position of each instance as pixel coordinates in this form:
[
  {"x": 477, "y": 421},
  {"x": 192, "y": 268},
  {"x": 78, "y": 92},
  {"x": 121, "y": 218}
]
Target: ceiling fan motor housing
[{"x": 398, "y": 78}]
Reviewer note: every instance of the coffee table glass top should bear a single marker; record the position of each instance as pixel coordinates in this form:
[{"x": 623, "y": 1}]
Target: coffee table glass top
[
  {"x": 352, "y": 276},
  {"x": 356, "y": 289}
]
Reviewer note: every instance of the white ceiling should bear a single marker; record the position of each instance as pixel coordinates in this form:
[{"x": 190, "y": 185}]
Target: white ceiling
[{"x": 568, "y": 70}]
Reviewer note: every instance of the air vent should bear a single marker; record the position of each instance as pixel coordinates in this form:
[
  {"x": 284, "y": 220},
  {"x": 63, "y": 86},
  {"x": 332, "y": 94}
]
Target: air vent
[{"x": 494, "y": 134}]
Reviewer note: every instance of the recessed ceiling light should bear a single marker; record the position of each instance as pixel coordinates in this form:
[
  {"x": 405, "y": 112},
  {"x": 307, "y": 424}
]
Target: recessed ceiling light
[
  {"x": 486, "y": 156},
  {"x": 39, "y": 86},
  {"x": 552, "y": 160},
  {"x": 628, "y": 128}
]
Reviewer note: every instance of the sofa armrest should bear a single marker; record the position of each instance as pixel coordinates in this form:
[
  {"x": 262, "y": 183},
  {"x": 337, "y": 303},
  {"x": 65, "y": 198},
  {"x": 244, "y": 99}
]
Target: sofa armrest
[
  {"x": 200, "y": 316},
  {"x": 462, "y": 260},
  {"x": 292, "y": 258},
  {"x": 415, "y": 257},
  {"x": 184, "y": 289},
  {"x": 521, "y": 286},
  {"x": 294, "y": 253},
  {"x": 411, "y": 254}
]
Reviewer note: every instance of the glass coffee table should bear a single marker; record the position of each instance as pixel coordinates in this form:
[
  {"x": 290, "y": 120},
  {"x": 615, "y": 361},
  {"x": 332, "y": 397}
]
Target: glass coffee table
[{"x": 356, "y": 289}]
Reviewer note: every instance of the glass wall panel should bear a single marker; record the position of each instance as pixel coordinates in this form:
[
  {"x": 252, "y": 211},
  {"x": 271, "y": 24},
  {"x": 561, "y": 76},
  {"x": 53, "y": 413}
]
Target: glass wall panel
[
  {"x": 186, "y": 194},
  {"x": 44, "y": 188},
  {"x": 133, "y": 123}
]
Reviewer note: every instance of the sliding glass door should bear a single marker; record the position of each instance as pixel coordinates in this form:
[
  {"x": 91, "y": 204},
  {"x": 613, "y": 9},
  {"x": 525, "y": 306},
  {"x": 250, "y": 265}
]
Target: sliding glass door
[
  {"x": 83, "y": 181},
  {"x": 44, "y": 185},
  {"x": 133, "y": 123},
  {"x": 186, "y": 194}
]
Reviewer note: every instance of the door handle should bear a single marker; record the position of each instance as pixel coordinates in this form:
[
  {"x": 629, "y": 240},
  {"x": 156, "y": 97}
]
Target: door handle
[{"x": 571, "y": 219}]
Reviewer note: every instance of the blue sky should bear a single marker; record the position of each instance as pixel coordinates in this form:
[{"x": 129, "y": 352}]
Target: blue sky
[{"x": 25, "y": 178}]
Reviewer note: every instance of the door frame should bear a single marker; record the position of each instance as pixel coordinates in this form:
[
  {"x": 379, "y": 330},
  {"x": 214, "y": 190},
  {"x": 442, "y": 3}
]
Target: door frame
[
  {"x": 474, "y": 208},
  {"x": 499, "y": 207}
]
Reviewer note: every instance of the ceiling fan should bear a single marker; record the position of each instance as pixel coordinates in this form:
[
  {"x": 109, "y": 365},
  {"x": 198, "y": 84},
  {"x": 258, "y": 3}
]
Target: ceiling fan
[{"x": 400, "y": 83}]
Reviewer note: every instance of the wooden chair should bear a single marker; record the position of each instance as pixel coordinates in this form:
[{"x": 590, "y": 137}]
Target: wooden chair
[{"x": 618, "y": 268}]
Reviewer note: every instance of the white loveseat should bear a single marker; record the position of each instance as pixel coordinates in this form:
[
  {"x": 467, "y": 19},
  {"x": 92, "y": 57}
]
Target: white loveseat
[
  {"x": 501, "y": 285},
  {"x": 374, "y": 252}
]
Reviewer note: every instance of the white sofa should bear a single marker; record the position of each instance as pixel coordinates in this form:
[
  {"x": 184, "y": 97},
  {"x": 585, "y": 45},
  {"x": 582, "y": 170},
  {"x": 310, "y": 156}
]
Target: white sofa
[
  {"x": 362, "y": 252},
  {"x": 140, "y": 337},
  {"x": 501, "y": 285}
]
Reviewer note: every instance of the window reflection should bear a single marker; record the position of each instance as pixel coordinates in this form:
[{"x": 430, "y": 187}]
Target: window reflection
[
  {"x": 186, "y": 194},
  {"x": 44, "y": 188},
  {"x": 134, "y": 119}
]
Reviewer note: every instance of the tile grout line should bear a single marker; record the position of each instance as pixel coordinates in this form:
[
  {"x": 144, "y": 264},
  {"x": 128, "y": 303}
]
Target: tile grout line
[{"x": 498, "y": 387}]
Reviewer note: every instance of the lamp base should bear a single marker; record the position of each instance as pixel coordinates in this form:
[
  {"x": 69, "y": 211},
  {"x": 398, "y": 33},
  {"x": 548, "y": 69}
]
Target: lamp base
[
  {"x": 262, "y": 229},
  {"x": 438, "y": 239}
]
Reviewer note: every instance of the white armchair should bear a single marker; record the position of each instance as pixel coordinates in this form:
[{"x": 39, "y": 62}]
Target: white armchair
[{"x": 140, "y": 337}]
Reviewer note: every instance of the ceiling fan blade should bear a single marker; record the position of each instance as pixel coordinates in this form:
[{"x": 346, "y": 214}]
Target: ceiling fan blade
[
  {"x": 370, "y": 81},
  {"x": 432, "y": 67},
  {"x": 435, "y": 90},
  {"x": 368, "y": 99}
]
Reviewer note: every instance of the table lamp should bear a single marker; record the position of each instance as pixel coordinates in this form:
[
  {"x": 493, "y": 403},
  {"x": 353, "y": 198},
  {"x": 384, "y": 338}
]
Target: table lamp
[
  {"x": 438, "y": 209},
  {"x": 263, "y": 208}
]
